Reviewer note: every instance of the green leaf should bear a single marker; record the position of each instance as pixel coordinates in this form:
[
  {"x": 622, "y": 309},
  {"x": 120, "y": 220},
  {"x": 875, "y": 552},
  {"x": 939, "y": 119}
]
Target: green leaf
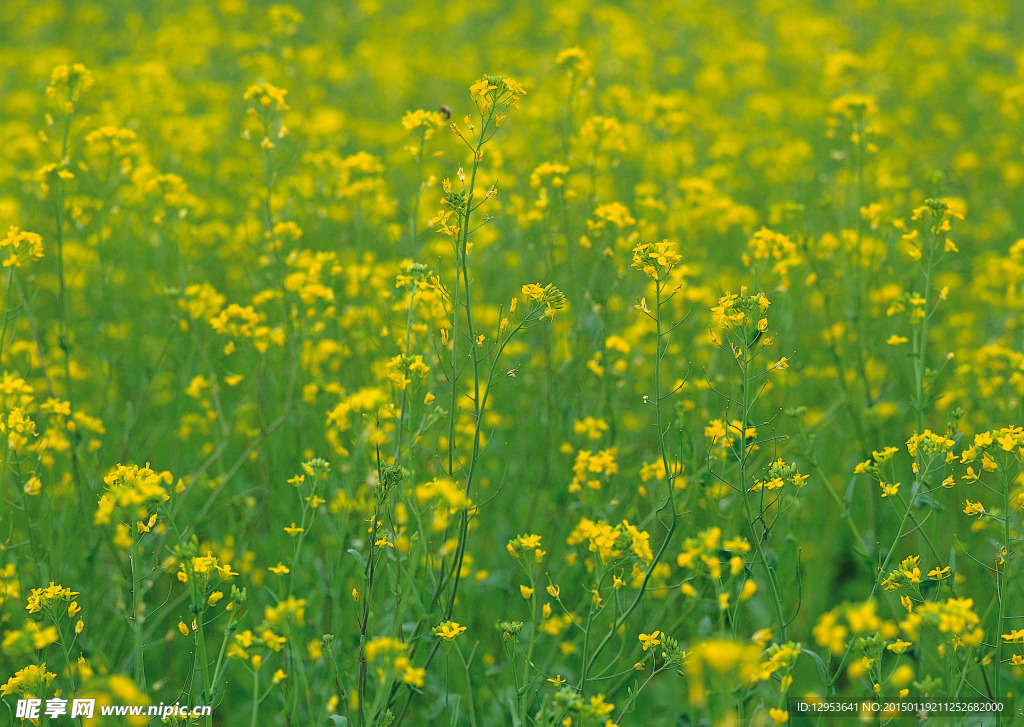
[
  {"x": 359, "y": 557},
  {"x": 822, "y": 669}
]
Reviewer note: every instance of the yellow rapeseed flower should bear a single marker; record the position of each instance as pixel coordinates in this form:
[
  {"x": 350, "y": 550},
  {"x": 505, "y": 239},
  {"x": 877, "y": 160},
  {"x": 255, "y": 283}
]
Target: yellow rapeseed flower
[
  {"x": 649, "y": 640},
  {"x": 448, "y": 630}
]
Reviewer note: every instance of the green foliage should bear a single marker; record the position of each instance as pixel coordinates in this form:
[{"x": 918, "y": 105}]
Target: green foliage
[{"x": 672, "y": 369}]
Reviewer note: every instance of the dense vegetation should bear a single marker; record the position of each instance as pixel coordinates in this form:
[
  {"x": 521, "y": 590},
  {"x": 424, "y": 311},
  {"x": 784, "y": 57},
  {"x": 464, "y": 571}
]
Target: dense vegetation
[{"x": 550, "y": 364}]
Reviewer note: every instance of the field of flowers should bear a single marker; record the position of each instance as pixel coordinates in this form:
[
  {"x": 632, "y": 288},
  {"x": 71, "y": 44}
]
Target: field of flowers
[{"x": 578, "y": 364}]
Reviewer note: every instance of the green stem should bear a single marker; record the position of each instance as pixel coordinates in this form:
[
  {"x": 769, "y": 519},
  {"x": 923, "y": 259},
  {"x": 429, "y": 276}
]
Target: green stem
[
  {"x": 447, "y": 711},
  {"x": 462, "y": 267},
  {"x": 298, "y": 541},
  {"x": 255, "y": 697},
  {"x": 1001, "y": 581},
  {"x": 201, "y": 656},
  {"x": 7, "y": 309},
  {"x": 669, "y": 502},
  {"x": 66, "y": 651},
  {"x": 219, "y": 667},
  {"x": 140, "y": 666},
  {"x": 462, "y": 281},
  {"x": 469, "y": 685},
  {"x": 361, "y": 678},
  {"x": 419, "y": 193},
  {"x": 62, "y": 311},
  {"x": 921, "y": 350},
  {"x": 745, "y": 406},
  {"x": 404, "y": 408}
]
